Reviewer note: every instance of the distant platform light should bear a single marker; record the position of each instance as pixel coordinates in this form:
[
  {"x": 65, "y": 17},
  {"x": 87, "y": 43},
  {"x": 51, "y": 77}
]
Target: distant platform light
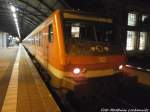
[
  {"x": 139, "y": 68},
  {"x": 148, "y": 70}
]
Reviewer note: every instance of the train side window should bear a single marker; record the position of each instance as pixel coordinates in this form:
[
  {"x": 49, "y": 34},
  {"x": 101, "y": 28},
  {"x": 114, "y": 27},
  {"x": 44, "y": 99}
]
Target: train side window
[
  {"x": 40, "y": 37},
  {"x": 50, "y": 38}
]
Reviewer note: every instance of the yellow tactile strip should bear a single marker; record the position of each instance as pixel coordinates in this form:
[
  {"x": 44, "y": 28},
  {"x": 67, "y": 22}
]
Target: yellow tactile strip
[
  {"x": 10, "y": 102},
  {"x": 7, "y": 60},
  {"x": 47, "y": 99},
  {"x": 26, "y": 91},
  {"x": 33, "y": 96}
]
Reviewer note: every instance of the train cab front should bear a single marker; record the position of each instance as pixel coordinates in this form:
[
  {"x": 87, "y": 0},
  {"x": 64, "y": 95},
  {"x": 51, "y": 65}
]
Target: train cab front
[
  {"x": 93, "y": 53},
  {"x": 90, "y": 71}
]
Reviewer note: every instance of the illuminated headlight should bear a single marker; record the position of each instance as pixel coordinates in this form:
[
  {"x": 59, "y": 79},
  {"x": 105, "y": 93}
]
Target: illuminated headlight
[
  {"x": 76, "y": 71},
  {"x": 120, "y": 67}
]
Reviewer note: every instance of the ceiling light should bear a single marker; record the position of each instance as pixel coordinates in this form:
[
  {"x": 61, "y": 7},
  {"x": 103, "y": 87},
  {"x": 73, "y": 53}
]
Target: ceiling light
[
  {"x": 14, "y": 14},
  {"x": 15, "y": 19},
  {"x": 13, "y": 9}
]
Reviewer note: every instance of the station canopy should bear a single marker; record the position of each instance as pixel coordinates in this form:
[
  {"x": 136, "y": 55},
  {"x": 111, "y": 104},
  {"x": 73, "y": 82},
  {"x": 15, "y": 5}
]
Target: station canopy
[{"x": 30, "y": 13}]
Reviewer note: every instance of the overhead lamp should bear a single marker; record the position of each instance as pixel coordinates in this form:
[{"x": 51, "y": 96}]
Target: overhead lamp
[
  {"x": 16, "y": 24},
  {"x": 13, "y": 9},
  {"x": 14, "y": 14},
  {"x": 15, "y": 19}
]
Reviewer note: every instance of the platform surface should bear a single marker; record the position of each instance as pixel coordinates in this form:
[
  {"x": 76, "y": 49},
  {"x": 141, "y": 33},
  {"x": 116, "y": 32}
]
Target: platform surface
[
  {"x": 7, "y": 58},
  {"x": 21, "y": 87}
]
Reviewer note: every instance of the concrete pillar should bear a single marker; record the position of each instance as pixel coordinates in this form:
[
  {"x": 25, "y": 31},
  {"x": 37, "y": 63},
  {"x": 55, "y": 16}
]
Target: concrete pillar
[{"x": 3, "y": 40}]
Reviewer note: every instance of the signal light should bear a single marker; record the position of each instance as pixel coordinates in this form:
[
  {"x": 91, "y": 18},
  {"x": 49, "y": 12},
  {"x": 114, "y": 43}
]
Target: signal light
[{"x": 139, "y": 68}]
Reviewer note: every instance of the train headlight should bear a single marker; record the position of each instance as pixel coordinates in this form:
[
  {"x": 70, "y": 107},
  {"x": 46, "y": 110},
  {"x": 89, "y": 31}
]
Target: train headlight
[
  {"x": 76, "y": 70},
  {"x": 120, "y": 67}
]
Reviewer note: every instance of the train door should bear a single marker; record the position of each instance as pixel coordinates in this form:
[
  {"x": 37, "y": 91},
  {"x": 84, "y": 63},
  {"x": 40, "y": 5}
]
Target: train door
[
  {"x": 45, "y": 56},
  {"x": 33, "y": 45},
  {"x": 47, "y": 47},
  {"x": 50, "y": 42}
]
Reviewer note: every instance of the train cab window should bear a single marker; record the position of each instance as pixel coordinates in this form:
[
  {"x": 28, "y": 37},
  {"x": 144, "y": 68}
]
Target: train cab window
[
  {"x": 50, "y": 38},
  {"x": 88, "y": 31},
  {"x": 82, "y": 36},
  {"x": 75, "y": 31}
]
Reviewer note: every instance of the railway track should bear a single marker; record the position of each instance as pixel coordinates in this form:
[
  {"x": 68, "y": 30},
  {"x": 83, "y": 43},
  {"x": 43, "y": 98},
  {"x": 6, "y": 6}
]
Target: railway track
[
  {"x": 121, "y": 102},
  {"x": 96, "y": 104}
]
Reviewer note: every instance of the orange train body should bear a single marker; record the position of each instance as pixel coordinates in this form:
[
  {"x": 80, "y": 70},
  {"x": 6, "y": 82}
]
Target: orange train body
[{"x": 60, "y": 54}]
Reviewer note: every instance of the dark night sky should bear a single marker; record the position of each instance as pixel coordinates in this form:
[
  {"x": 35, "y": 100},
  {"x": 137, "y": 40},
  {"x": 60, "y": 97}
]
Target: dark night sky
[{"x": 93, "y": 4}]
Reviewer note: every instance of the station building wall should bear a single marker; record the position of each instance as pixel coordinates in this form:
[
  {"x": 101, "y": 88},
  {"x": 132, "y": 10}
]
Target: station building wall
[{"x": 3, "y": 39}]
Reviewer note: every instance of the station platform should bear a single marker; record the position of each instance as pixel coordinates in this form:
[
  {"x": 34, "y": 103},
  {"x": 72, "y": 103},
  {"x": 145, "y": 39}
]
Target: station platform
[{"x": 21, "y": 87}]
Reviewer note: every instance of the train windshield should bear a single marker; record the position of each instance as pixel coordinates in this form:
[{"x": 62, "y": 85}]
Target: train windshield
[
  {"x": 88, "y": 31},
  {"x": 89, "y": 37}
]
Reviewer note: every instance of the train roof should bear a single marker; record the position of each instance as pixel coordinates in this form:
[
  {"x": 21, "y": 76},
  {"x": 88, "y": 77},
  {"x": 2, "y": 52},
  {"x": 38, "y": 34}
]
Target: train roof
[
  {"x": 71, "y": 14},
  {"x": 84, "y": 13}
]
